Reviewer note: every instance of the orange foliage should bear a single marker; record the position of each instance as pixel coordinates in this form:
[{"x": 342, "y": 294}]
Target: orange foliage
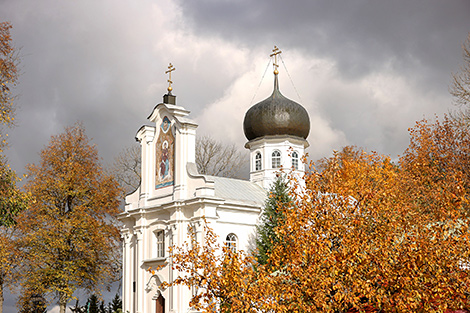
[
  {"x": 222, "y": 278},
  {"x": 8, "y": 74},
  {"x": 366, "y": 235},
  {"x": 69, "y": 234},
  {"x": 11, "y": 199}
]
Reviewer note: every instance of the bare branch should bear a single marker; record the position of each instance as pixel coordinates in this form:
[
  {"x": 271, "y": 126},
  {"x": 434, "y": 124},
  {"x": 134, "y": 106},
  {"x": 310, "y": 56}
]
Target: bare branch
[
  {"x": 218, "y": 159},
  {"x": 126, "y": 168},
  {"x": 460, "y": 88},
  {"x": 212, "y": 158}
]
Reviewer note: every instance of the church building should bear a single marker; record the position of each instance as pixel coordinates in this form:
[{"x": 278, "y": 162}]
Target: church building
[{"x": 173, "y": 197}]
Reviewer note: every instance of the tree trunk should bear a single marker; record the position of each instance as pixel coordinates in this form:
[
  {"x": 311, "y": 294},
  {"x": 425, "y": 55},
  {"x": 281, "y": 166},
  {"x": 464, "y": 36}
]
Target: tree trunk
[{"x": 62, "y": 302}]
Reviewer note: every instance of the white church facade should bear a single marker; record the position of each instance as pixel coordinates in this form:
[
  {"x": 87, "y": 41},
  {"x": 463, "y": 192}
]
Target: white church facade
[{"x": 173, "y": 197}]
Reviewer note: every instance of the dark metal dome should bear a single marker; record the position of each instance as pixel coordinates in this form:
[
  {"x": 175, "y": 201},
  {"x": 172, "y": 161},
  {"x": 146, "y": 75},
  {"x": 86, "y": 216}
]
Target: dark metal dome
[{"x": 276, "y": 115}]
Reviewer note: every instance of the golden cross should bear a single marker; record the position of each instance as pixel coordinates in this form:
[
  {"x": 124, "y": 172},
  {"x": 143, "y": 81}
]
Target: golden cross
[
  {"x": 276, "y": 51},
  {"x": 170, "y": 69}
]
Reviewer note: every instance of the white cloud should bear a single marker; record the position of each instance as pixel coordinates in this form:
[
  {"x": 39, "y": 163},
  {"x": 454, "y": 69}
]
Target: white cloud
[{"x": 373, "y": 112}]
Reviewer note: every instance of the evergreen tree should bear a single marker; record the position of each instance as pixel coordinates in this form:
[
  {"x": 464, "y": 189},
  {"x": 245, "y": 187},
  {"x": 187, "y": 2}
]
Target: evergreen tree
[
  {"x": 278, "y": 200},
  {"x": 116, "y": 304},
  {"x": 92, "y": 304},
  {"x": 102, "y": 308}
]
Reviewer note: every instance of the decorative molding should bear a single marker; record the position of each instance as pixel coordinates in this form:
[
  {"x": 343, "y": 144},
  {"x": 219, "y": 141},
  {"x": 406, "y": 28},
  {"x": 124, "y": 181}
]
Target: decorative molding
[
  {"x": 156, "y": 260},
  {"x": 154, "y": 282},
  {"x": 139, "y": 233},
  {"x": 126, "y": 237}
]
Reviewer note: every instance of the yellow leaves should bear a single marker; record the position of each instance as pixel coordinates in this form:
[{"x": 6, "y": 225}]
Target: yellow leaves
[
  {"x": 8, "y": 74},
  {"x": 365, "y": 234},
  {"x": 68, "y": 232}
]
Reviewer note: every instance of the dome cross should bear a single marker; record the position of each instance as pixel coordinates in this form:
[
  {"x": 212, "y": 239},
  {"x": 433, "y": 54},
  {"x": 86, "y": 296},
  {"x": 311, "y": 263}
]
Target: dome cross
[
  {"x": 171, "y": 68},
  {"x": 276, "y": 51}
]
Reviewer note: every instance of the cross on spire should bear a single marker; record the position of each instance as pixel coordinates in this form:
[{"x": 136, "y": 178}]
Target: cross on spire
[
  {"x": 276, "y": 51},
  {"x": 170, "y": 69}
]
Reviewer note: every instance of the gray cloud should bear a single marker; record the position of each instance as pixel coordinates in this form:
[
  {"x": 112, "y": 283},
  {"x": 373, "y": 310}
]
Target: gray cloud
[
  {"x": 362, "y": 36},
  {"x": 420, "y": 40},
  {"x": 365, "y": 70}
]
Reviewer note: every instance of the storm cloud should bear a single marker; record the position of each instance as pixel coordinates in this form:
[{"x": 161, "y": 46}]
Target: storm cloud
[{"x": 364, "y": 70}]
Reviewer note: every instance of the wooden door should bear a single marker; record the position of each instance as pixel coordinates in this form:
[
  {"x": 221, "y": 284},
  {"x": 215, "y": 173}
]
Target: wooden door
[{"x": 160, "y": 302}]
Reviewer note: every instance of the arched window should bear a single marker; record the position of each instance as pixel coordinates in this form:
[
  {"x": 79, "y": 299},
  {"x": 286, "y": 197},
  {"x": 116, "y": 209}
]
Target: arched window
[
  {"x": 258, "y": 161},
  {"x": 231, "y": 242},
  {"x": 276, "y": 159},
  {"x": 295, "y": 160}
]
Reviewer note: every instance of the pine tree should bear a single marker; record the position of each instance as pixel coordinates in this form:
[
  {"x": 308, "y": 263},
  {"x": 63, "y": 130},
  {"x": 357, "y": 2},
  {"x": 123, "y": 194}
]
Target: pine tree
[
  {"x": 278, "y": 200},
  {"x": 102, "y": 308},
  {"x": 92, "y": 304},
  {"x": 116, "y": 304}
]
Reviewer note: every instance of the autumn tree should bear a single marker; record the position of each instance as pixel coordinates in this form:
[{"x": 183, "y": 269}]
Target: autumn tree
[
  {"x": 362, "y": 237},
  {"x": 12, "y": 201},
  {"x": 69, "y": 234},
  {"x": 277, "y": 202},
  {"x": 8, "y": 75},
  {"x": 224, "y": 279},
  {"x": 30, "y": 302},
  {"x": 366, "y": 235},
  {"x": 460, "y": 88},
  {"x": 439, "y": 152}
]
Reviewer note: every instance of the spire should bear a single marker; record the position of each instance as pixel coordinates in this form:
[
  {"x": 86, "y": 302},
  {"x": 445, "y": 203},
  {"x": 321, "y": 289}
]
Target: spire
[
  {"x": 276, "y": 83},
  {"x": 169, "y": 98}
]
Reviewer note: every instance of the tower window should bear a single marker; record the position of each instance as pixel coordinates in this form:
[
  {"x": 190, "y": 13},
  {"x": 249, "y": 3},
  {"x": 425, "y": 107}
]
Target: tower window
[
  {"x": 258, "y": 161},
  {"x": 295, "y": 160},
  {"x": 276, "y": 159},
  {"x": 231, "y": 242},
  {"x": 160, "y": 244}
]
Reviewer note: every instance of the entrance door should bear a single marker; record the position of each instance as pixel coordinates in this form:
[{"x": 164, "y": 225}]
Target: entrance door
[{"x": 160, "y": 304}]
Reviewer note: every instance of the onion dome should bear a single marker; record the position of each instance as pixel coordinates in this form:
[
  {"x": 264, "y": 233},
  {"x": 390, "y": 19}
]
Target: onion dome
[{"x": 276, "y": 115}]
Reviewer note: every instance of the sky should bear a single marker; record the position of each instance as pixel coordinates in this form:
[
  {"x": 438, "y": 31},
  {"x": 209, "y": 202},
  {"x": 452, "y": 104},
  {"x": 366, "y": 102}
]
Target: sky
[{"x": 365, "y": 71}]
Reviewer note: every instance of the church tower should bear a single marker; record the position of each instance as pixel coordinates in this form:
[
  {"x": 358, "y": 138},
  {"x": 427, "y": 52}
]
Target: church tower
[
  {"x": 277, "y": 130},
  {"x": 173, "y": 202}
]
